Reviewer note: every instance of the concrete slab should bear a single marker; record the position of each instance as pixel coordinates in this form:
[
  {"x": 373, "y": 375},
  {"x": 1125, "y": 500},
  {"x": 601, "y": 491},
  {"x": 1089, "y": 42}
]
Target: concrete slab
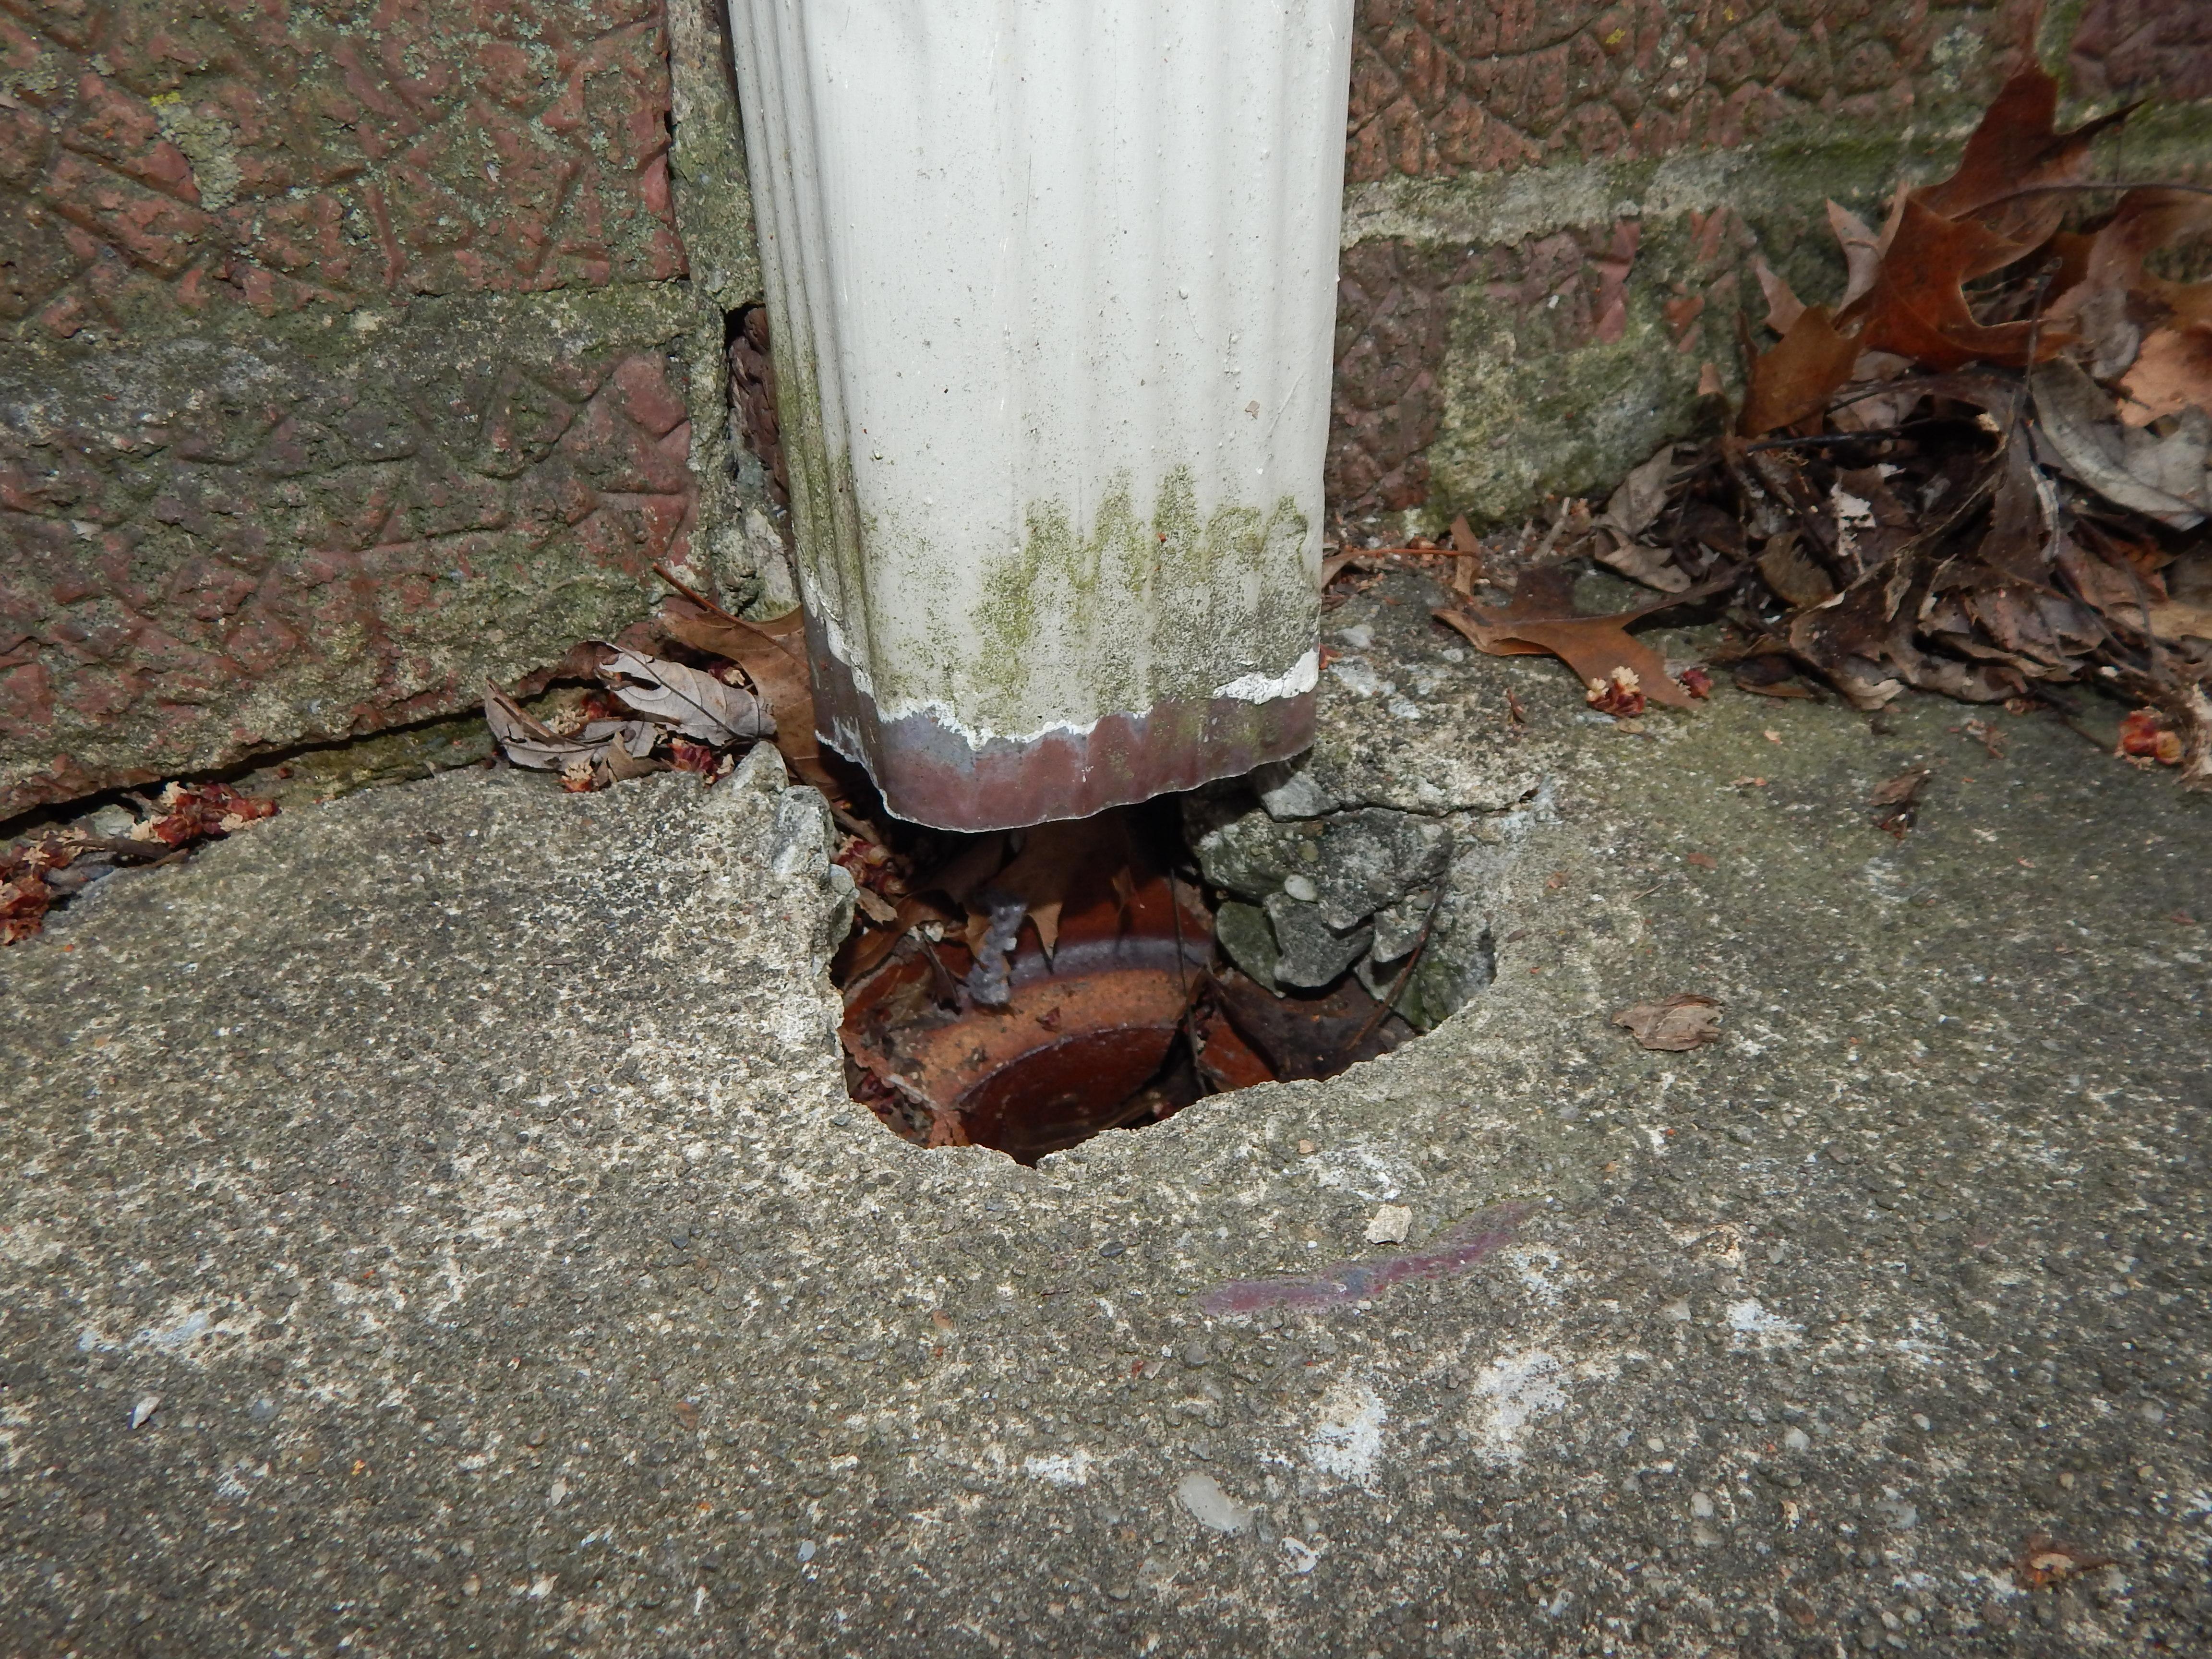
[{"x": 434, "y": 1224}]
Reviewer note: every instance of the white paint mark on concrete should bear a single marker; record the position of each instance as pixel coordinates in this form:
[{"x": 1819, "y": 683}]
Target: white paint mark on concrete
[
  {"x": 1750, "y": 1322},
  {"x": 1209, "y": 1506},
  {"x": 1534, "y": 1265},
  {"x": 1347, "y": 1442},
  {"x": 1513, "y": 1392},
  {"x": 1359, "y": 678},
  {"x": 1066, "y": 1470}
]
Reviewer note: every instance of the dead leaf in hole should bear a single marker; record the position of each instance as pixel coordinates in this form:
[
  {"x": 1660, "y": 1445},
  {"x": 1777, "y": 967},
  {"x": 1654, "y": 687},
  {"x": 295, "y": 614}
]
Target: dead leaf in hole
[
  {"x": 773, "y": 656},
  {"x": 1896, "y": 802},
  {"x": 1224, "y": 1059},
  {"x": 1053, "y": 858},
  {"x": 527, "y": 741},
  {"x": 2045, "y": 1561},
  {"x": 1673, "y": 1024},
  {"x": 1540, "y": 622},
  {"x": 686, "y": 699},
  {"x": 872, "y": 905}
]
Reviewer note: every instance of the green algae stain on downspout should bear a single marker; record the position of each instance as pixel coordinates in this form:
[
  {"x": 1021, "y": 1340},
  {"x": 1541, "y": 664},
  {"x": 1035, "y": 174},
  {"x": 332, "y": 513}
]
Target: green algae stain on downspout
[
  {"x": 827, "y": 523},
  {"x": 1140, "y": 610}
]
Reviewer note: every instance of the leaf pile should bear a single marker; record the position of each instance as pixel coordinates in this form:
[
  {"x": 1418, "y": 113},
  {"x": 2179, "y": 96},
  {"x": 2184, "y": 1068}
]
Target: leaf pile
[
  {"x": 656, "y": 712},
  {"x": 1983, "y": 470},
  {"x": 37, "y": 874},
  {"x": 693, "y": 712}
]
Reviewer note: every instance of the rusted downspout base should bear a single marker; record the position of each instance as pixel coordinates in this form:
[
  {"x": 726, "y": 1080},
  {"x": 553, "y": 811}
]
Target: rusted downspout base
[{"x": 928, "y": 773}]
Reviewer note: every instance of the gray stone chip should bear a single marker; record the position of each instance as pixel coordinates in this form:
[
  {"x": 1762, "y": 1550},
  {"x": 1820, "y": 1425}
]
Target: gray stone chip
[{"x": 1312, "y": 952}]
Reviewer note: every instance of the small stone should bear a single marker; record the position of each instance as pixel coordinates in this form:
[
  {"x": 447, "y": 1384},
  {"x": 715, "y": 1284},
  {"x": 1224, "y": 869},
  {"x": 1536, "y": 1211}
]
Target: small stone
[
  {"x": 1389, "y": 1225},
  {"x": 1290, "y": 795},
  {"x": 1313, "y": 953},
  {"x": 1302, "y": 889},
  {"x": 147, "y": 1405},
  {"x": 1112, "y": 1247},
  {"x": 806, "y": 1551},
  {"x": 1243, "y": 931}
]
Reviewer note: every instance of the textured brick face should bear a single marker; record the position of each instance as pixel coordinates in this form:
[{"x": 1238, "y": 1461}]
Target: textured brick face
[
  {"x": 1441, "y": 87},
  {"x": 2130, "y": 48},
  {"x": 215, "y": 542},
  {"x": 274, "y": 154}
]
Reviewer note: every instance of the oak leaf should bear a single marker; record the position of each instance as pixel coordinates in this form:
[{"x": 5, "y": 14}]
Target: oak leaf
[
  {"x": 1673, "y": 1024},
  {"x": 1540, "y": 622}
]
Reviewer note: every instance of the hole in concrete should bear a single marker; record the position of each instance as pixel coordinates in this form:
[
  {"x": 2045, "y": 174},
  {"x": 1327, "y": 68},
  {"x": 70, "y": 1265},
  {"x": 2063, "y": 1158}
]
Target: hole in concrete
[{"x": 1026, "y": 991}]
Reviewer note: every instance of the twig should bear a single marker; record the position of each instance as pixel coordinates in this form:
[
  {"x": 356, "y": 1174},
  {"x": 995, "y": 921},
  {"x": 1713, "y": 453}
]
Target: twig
[
  {"x": 694, "y": 595},
  {"x": 2066, "y": 718},
  {"x": 1398, "y": 984},
  {"x": 855, "y": 826},
  {"x": 2110, "y": 184},
  {"x": 1821, "y": 440}
]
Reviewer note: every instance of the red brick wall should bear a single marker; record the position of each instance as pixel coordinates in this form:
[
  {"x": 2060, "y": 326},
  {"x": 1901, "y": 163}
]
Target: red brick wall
[
  {"x": 231, "y": 449},
  {"x": 273, "y": 155}
]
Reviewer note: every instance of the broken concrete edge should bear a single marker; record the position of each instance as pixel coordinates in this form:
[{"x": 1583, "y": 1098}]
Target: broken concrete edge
[{"x": 739, "y": 550}]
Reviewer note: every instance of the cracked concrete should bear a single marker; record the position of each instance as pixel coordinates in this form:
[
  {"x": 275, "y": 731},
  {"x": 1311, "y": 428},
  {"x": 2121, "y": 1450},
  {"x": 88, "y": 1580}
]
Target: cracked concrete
[{"x": 454, "y": 1185}]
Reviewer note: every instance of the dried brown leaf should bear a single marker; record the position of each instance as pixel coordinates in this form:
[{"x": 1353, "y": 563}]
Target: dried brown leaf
[
  {"x": 1673, "y": 1024},
  {"x": 2079, "y": 423},
  {"x": 1540, "y": 620},
  {"x": 1861, "y": 248},
  {"x": 2172, "y": 372},
  {"x": 1917, "y": 307},
  {"x": 1784, "y": 308},
  {"x": 527, "y": 741},
  {"x": 686, "y": 699},
  {"x": 2015, "y": 147},
  {"x": 1795, "y": 381}
]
